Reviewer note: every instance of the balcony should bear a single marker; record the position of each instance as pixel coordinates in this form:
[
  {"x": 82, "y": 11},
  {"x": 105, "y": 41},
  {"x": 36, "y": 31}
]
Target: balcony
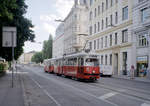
[{"x": 77, "y": 45}]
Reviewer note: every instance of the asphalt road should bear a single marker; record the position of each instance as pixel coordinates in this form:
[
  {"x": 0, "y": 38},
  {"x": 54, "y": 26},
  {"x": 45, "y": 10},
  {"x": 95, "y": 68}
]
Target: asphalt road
[{"x": 60, "y": 91}]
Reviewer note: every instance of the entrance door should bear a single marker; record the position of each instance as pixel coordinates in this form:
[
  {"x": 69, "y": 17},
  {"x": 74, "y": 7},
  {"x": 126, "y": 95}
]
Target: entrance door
[
  {"x": 124, "y": 63},
  {"x": 116, "y": 64}
]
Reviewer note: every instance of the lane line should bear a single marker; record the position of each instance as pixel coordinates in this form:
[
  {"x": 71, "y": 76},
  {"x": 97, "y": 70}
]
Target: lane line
[
  {"x": 46, "y": 92},
  {"x": 108, "y": 95},
  {"x": 119, "y": 91},
  {"x": 62, "y": 83}
]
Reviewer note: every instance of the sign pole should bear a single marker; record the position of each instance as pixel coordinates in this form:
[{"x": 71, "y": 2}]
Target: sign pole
[
  {"x": 12, "y": 58},
  {"x": 9, "y": 40}
]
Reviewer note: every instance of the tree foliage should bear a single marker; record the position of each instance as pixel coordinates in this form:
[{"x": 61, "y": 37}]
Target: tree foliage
[
  {"x": 37, "y": 57},
  {"x": 47, "y": 48},
  {"x": 12, "y": 14},
  {"x": 46, "y": 53}
]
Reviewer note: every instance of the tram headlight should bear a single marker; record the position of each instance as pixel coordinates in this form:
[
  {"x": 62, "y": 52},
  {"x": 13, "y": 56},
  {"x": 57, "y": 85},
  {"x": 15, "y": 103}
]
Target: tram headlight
[{"x": 93, "y": 71}]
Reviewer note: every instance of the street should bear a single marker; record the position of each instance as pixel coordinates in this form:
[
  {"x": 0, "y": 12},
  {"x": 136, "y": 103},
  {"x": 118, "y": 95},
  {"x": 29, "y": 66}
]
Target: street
[{"x": 43, "y": 89}]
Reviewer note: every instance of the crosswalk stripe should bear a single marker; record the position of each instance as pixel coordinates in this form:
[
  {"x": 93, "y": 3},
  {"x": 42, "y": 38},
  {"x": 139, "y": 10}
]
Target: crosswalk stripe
[{"x": 108, "y": 95}]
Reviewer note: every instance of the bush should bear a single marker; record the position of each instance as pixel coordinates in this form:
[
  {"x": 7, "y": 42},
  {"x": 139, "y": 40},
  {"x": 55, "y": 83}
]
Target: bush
[{"x": 3, "y": 67}]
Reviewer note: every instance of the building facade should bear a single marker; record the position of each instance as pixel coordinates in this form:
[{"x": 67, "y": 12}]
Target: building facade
[
  {"x": 110, "y": 34},
  {"x": 141, "y": 34},
  {"x": 25, "y": 58},
  {"x": 58, "y": 43},
  {"x": 75, "y": 27}
]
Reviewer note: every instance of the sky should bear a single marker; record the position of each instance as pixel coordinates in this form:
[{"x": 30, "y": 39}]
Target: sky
[{"x": 43, "y": 13}]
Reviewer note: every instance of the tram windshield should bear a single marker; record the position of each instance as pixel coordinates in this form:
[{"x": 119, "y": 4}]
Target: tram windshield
[{"x": 91, "y": 62}]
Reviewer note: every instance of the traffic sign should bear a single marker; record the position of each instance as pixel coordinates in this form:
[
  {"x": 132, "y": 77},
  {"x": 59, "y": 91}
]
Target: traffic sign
[{"x": 9, "y": 37}]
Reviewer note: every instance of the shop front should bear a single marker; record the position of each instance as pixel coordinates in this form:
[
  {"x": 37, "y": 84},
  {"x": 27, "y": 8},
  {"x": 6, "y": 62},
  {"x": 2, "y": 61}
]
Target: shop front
[{"x": 142, "y": 66}]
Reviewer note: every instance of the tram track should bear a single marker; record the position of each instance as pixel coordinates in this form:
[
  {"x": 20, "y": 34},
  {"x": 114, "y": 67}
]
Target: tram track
[
  {"x": 119, "y": 90},
  {"x": 122, "y": 91}
]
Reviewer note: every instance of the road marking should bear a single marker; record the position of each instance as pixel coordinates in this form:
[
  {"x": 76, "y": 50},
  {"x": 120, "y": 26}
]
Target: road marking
[
  {"x": 46, "y": 92},
  {"x": 145, "y": 104},
  {"x": 64, "y": 84},
  {"x": 108, "y": 95}
]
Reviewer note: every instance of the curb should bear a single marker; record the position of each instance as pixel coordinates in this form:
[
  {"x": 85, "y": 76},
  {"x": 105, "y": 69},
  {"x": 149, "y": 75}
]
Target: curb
[
  {"x": 131, "y": 79},
  {"x": 24, "y": 94}
]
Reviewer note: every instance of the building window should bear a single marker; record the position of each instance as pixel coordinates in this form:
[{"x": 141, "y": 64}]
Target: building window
[
  {"x": 144, "y": 13},
  {"x": 102, "y": 60},
  {"x": 98, "y": 26},
  {"x": 99, "y": 10},
  {"x": 94, "y": 28},
  {"x": 106, "y": 4},
  {"x": 105, "y": 41},
  {"x": 94, "y": 44},
  {"x": 90, "y": 29},
  {"x": 102, "y": 24},
  {"x": 91, "y": 2},
  {"x": 116, "y": 17},
  {"x": 111, "y": 3},
  {"x": 110, "y": 59},
  {"x": 101, "y": 42},
  {"x": 105, "y": 59},
  {"x": 143, "y": 40},
  {"x": 95, "y": 12},
  {"x": 111, "y": 20},
  {"x": 97, "y": 43},
  {"x": 116, "y": 1},
  {"x": 90, "y": 45},
  {"x": 91, "y": 14},
  {"x": 102, "y": 7},
  {"x": 116, "y": 38},
  {"x": 125, "y": 13},
  {"x": 124, "y": 36},
  {"x": 106, "y": 22},
  {"x": 111, "y": 40}
]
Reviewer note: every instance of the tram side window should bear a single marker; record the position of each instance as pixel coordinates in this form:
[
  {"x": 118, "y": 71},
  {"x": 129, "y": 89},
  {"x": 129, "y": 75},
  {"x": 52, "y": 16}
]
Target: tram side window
[
  {"x": 75, "y": 61},
  {"x": 81, "y": 61}
]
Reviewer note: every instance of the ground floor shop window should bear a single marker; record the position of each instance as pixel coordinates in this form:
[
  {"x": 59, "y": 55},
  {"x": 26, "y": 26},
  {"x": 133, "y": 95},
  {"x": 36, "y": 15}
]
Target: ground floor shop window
[{"x": 142, "y": 66}]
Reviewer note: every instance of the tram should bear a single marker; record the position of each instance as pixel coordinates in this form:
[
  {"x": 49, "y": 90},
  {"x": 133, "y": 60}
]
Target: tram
[
  {"x": 46, "y": 65},
  {"x": 81, "y": 66}
]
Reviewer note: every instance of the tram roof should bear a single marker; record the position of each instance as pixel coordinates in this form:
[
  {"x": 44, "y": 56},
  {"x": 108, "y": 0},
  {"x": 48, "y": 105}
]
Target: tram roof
[{"x": 81, "y": 54}]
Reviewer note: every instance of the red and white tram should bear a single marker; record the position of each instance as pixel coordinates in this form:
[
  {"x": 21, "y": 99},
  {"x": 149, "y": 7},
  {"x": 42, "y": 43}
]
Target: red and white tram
[
  {"x": 80, "y": 66},
  {"x": 49, "y": 65},
  {"x": 46, "y": 65}
]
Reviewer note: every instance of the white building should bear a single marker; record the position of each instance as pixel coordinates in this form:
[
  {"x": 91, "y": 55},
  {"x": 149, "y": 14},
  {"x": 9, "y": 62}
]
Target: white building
[
  {"x": 25, "y": 58},
  {"x": 58, "y": 43},
  {"x": 141, "y": 34},
  {"x": 110, "y": 30},
  {"x": 75, "y": 27}
]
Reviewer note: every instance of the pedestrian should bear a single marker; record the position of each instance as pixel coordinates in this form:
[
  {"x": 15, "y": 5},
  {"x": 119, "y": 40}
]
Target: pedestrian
[{"x": 132, "y": 72}]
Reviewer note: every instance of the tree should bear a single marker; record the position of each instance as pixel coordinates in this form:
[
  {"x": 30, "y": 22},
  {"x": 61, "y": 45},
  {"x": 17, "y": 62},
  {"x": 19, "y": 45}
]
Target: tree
[
  {"x": 12, "y": 14},
  {"x": 47, "y": 48},
  {"x": 37, "y": 57}
]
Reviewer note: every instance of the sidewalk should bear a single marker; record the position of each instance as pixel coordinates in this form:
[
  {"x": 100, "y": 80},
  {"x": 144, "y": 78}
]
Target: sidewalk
[
  {"x": 141, "y": 79},
  {"x": 11, "y": 96}
]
